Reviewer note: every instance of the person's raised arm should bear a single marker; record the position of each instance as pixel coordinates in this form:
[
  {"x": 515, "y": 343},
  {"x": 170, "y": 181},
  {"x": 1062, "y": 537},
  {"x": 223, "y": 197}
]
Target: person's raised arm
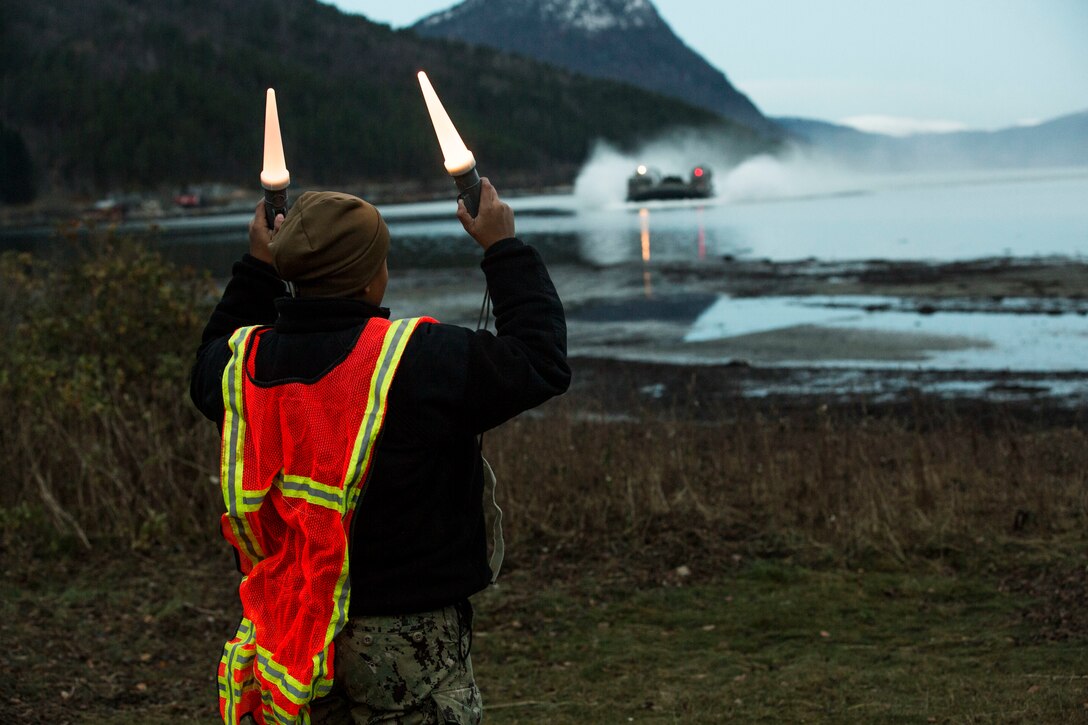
[
  {"x": 249, "y": 299},
  {"x": 525, "y": 362}
]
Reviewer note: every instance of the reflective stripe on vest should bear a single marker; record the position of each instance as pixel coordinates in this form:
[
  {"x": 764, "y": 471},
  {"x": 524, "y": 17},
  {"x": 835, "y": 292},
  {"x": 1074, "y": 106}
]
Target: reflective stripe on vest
[{"x": 295, "y": 458}]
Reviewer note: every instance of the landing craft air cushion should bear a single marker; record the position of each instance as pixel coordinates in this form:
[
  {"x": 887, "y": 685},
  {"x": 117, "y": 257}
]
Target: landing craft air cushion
[{"x": 647, "y": 184}]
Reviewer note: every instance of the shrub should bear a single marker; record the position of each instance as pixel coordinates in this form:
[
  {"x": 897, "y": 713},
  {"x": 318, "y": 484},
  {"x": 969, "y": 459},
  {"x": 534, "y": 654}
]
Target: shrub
[{"x": 95, "y": 350}]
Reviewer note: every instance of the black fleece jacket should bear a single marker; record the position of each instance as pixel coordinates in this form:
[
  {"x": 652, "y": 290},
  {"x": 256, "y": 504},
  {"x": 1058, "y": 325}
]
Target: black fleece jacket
[{"x": 418, "y": 542}]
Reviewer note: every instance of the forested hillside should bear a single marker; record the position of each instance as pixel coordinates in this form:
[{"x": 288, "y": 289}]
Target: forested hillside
[{"x": 119, "y": 93}]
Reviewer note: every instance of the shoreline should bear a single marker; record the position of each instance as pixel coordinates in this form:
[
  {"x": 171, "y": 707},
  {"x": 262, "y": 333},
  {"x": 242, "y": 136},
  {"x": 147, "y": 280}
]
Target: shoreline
[
  {"x": 153, "y": 207},
  {"x": 629, "y": 390},
  {"x": 980, "y": 323},
  {"x": 623, "y": 329},
  {"x": 1009, "y": 329}
]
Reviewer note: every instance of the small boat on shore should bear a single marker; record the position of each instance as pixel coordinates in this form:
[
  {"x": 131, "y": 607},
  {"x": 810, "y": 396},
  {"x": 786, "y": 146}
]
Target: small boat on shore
[{"x": 648, "y": 184}]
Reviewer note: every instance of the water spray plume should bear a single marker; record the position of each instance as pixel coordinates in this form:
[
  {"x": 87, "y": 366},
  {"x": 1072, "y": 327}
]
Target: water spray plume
[
  {"x": 274, "y": 176},
  {"x": 457, "y": 158}
]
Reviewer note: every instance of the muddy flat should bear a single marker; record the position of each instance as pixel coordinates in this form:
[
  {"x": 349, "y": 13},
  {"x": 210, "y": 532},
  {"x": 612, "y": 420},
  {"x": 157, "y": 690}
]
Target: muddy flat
[{"x": 1012, "y": 328}]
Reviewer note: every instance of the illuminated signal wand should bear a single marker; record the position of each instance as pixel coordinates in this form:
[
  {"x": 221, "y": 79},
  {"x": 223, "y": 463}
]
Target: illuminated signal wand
[
  {"x": 461, "y": 165},
  {"x": 274, "y": 176},
  {"x": 458, "y": 160}
]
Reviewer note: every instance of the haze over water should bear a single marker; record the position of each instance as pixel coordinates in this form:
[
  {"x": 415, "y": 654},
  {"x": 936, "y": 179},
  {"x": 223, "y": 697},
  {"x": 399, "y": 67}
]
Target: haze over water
[
  {"x": 765, "y": 213},
  {"x": 765, "y": 210},
  {"x": 950, "y": 217}
]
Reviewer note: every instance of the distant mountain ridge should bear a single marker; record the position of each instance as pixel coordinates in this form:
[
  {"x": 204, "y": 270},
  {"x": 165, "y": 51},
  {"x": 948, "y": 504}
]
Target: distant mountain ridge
[
  {"x": 1058, "y": 142},
  {"x": 624, "y": 40}
]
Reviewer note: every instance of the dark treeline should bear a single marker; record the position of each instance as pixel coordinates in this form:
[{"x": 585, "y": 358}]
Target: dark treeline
[{"x": 112, "y": 93}]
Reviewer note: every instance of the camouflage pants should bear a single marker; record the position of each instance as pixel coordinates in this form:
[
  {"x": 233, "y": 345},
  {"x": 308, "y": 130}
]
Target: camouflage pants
[{"x": 405, "y": 670}]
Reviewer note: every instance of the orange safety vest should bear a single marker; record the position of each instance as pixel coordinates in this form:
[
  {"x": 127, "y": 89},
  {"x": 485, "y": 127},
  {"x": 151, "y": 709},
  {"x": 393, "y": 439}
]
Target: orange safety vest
[{"x": 295, "y": 459}]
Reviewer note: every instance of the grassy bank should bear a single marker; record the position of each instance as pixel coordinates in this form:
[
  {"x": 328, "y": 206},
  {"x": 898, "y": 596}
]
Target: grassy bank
[
  {"x": 104, "y": 449},
  {"x": 776, "y": 642},
  {"x": 101, "y": 444},
  {"x": 853, "y": 482},
  {"x": 696, "y": 558},
  {"x": 94, "y": 639}
]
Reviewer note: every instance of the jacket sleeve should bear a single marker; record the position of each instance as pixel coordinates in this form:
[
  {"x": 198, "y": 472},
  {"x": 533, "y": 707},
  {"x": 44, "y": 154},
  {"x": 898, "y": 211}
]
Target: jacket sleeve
[
  {"x": 474, "y": 380},
  {"x": 249, "y": 299}
]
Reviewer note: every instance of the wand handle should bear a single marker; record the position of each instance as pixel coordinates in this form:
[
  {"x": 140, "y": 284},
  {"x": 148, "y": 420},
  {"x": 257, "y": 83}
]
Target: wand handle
[
  {"x": 468, "y": 186},
  {"x": 275, "y": 202}
]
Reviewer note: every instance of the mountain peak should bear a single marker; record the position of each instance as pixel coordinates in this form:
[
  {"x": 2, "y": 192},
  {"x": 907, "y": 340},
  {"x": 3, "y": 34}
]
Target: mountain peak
[
  {"x": 593, "y": 16},
  {"x": 622, "y": 40},
  {"x": 588, "y": 16}
]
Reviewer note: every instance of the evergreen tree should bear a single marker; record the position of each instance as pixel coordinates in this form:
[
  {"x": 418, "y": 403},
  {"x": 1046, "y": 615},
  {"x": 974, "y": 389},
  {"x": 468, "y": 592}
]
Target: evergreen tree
[
  {"x": 125, "y": 94},
  {"x": 16, "y": 170}
]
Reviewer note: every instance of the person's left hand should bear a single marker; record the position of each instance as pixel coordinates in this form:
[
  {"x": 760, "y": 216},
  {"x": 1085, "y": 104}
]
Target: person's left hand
[
  {"x": 494, "y": 220},
  {"x": 260, "y": 236}
]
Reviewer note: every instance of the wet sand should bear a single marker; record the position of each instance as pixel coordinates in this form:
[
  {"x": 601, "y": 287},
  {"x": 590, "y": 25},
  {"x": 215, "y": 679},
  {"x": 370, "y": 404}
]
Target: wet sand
[{"x": 983, "y": 280}]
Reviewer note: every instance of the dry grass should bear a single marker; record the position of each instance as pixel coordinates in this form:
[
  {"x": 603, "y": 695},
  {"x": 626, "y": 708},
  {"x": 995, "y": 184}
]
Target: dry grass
[
  {"x": 850, "y": 481},
  {"x": 101, "y": 446},
  {"x": 103, "y": 451}
]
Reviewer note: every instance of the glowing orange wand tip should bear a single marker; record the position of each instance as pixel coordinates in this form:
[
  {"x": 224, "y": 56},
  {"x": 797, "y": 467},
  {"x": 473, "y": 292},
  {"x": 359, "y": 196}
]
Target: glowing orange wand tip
[
  {"x": 274, "y": 175},
  {"x": 457, "y": 158}
]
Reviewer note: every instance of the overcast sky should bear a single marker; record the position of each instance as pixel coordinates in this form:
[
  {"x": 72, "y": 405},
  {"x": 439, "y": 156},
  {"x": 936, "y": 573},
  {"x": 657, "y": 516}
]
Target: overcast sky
[{"x": 879, "y": 64}]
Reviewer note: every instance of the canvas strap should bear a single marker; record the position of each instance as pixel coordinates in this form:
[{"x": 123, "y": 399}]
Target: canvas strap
[{"x": 491, "y": 507}]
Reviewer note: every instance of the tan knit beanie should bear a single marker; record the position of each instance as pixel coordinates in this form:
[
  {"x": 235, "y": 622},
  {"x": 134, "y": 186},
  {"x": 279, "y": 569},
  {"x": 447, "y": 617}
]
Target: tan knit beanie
[{"x": 330, "y": 245}]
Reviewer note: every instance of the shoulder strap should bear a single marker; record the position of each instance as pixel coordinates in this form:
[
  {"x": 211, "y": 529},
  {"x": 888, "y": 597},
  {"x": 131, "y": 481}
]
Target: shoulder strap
[
  {"x": 491, "y": 510},
  {"x": 396, "y": 339}
]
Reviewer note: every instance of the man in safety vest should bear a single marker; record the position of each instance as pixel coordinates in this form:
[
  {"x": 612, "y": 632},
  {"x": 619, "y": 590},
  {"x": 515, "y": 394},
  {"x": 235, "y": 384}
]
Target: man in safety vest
[{"x": 352, "y": 479}]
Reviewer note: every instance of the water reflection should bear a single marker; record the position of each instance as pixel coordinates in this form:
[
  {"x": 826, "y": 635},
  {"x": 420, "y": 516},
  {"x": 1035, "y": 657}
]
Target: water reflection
[
  {"x": 947, "y": 340},
  {"x": 428, "y": 235},
  {"x": 644, "y": 237},
  {"x": 651, "y": 234},
  {"x": 644, "y": 222},
  {"x": 1018, "y": 217},
  {"x": 701, "y": 234}
]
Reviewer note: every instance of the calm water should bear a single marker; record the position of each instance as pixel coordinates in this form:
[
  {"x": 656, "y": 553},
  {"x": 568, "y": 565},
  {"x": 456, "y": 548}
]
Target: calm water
[{"x": 941, "y": 218}]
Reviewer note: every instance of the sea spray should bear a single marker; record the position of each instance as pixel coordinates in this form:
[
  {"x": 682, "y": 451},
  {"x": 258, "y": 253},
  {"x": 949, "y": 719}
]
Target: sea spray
[{"x": 793, "y": 173}]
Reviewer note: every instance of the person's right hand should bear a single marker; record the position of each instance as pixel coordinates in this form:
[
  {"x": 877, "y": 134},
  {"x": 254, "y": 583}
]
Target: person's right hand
[
  {"x": 494, "y": 221},
  {"x": 260, "y": 236}
]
